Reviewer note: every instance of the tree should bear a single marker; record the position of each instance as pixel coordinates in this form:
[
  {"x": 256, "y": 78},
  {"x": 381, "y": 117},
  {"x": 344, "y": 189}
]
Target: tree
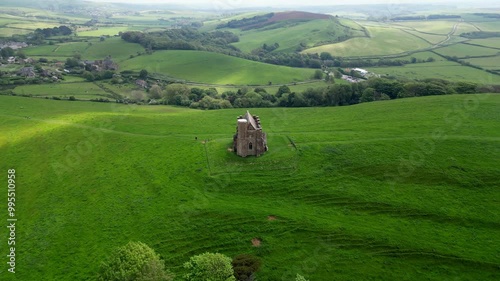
[
  {"x": 72, "y": 62},
  {"x": 21, "y": 54},
  {"x": 88, "y": 76},
  {"x": 134, "y": 261},
  {"x": 318, "y": 74},
  {"x": 368, "y": 95},
  {"x": 325, "y": 56},
  {"x": 155, "y": 92},
  {"x": 283, "y": 90},
  {"x": 209, "y": 267},
  {"x": 211, "y": 92},
  {"x": 466, "y": 88},
  {"x": 137, "y": 96},
  {"x": 143, "y": 74},
  {"x": 245, "y": 266},
  {"x": 173, "y": 90},
  {"x": 6, "y": 52},
  {"x": 337, "y": 74}
]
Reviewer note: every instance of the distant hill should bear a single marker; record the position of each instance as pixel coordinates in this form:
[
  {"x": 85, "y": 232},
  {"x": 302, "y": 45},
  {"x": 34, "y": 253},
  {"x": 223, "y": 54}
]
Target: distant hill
[
  {"x": 271, "y": 18},
  {"x": 296, "y": 15}
]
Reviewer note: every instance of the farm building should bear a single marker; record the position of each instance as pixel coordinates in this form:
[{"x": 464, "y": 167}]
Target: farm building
[
  {"x": 249, "y": 139},
  {"x": 361, "y": 71}
]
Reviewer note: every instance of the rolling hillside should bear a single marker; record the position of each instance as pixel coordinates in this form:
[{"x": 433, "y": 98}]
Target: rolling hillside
[
  {"x": 377, "y": 191},
  {"x": 290, "y": 30},
  {"x": 215, "y": 68},
  {"x": 382, "y": 41},
  {"x": 92, "y": 50}
]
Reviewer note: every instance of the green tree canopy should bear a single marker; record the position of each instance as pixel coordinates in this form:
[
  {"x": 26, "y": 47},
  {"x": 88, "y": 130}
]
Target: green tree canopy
[
  {"x": 134, "y": 261},
  {"x": 177, "y": 92},
  {"x": 245, "y": 266},
  {"x": 6, "y": 52},
  {"x": 143, "y": 74},
  {"x": 209, "y": 267},
  {"x": 155, "y": 92}
]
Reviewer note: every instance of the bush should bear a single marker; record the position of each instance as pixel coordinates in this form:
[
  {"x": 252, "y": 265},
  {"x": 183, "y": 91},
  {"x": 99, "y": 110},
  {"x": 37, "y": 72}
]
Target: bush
[
  {"x": 245, "y": 266},
  {"x": 134, "y": 261},
  {"x": 209, "y": 266}
]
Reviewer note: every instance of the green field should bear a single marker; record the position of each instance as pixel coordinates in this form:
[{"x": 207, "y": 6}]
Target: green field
[
  {"x": 81, "y": 90},
  {"x": 383, "y": 41},
  {"x": 34, "y": 25},
  {"x": 442, "y": 70},
  {"x": 8, "y": 32},
  {"x": 464, "y": 50},
  {"x": 92, "y": 50},
  {"x": 490, "y": 42},
  {"x": 385, "y": 190},
  {"x": 423, "y": 56},
  {"x": 103, "y": 31},
  {"x": 215, "y": 68},
  {"x": 465, "y": 27},
  {"x": 434, "y": 27},
  {"x": 290, "y": 34},
  {"x": 118, "y": 49},
  {"x": 489, "y": 25},
  {"x": 486, "y": 63},
  {"x": 70, "y": 49},
  {"x": 431, "y": 38}
]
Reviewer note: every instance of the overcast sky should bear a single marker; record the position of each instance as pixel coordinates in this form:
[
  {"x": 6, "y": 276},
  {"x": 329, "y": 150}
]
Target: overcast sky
[{"x": 277, "y": 3}]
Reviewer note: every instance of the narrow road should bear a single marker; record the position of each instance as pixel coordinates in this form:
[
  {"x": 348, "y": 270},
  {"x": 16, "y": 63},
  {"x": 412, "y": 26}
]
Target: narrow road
[
  {"x": 407, "y": 53},
  {"x": 448, "y": 36}
]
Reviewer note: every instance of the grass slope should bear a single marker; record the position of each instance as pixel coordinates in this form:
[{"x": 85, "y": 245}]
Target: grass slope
[
  {"x": 215, "y": 68},
  {"x": 83, "y": 90},
  {"x": 487, "y": 63},
  {"x": 490, "y": 42},
  {"x": 383, "y": 41},
  {"x": 464, "y": 50},
  {"x": 431, "y": 26},
  {"x": 94, "y": 49},
  {"x": 290, "y": 34},
  {"x": 441, "y": 69},
  {"x": 374, "y": 191}
]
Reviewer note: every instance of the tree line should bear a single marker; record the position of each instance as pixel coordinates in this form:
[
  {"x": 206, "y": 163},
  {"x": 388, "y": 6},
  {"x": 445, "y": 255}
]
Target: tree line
[
  {"x": 136, "y": 261},
  {"x": 183, "y": 39},
  {"x": 480, "y": 34},
  {"x": 247, "y": 23},
  {"x": 332, "y": 95}
]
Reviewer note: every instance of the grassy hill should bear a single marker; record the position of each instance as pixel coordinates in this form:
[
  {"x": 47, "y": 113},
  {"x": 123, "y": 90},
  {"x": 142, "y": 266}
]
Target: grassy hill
[
  {"x": 288, "y": 29},
  {"x": 215, "y": 68},
  {"x": 290, "y": 34},
  {"x": 94, "y": 49},
  {"x": 403, "y": 189},
  {"x": 447, "y": 70},
  {"x": 382, "y": 41}
]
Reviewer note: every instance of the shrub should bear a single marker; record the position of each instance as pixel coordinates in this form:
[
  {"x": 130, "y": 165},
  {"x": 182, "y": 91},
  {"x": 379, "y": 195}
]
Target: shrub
[
  {"x": 134, "y": 261},
  {"x": 245, "y": 266}
]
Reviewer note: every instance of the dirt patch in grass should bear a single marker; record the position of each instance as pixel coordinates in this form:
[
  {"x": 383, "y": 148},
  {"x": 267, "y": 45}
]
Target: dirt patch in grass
[{"x": 256, "y": 242}]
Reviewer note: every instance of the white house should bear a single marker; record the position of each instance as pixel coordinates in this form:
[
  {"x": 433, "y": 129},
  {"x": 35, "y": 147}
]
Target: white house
[{"x": 362, "y": 71}]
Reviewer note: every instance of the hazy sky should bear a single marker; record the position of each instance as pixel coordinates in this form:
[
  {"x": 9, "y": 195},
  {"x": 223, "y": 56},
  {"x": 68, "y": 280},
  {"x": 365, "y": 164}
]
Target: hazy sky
[{"x": 248, "y": 3}]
